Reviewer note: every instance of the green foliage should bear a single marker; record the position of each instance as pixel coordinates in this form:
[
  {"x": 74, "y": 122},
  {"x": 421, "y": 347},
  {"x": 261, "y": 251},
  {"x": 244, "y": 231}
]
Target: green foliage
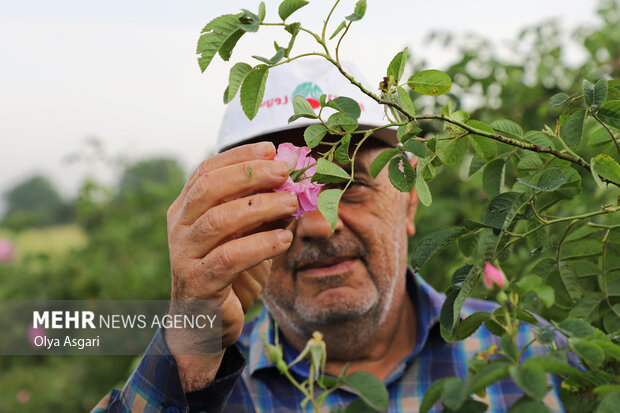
[
  {"x": 253, "y": 90},
  {"x": 35, "y": 203}
]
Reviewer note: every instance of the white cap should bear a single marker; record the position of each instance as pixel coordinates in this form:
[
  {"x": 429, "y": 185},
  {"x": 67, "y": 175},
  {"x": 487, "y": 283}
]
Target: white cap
[{"x": 310, "y": 78}]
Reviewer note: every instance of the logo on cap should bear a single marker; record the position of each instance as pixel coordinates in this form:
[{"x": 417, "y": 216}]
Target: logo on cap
[{"x": 310, "y": 91}]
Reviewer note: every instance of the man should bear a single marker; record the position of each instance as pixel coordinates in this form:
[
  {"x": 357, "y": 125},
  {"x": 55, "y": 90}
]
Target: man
[{"x": 353, "y": 284}]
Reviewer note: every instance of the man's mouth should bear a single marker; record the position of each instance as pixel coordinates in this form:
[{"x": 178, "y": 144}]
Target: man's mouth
[{"x": 329, "y": 267}]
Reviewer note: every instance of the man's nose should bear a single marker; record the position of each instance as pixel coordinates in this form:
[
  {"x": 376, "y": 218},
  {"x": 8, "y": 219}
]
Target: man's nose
[{"x": 313, "y": 225}]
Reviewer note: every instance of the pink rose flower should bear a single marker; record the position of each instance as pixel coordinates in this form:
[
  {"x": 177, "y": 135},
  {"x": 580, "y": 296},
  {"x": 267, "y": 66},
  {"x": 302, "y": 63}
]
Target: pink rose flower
[
  {"x": 7, "y": 251},
  {"x": 299, "y": 180},
  {"x": 493, "y": 276}
]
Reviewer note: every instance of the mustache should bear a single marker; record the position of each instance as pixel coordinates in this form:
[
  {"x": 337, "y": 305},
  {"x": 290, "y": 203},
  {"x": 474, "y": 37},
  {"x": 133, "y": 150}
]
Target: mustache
[{"x": 310, "y": 252}]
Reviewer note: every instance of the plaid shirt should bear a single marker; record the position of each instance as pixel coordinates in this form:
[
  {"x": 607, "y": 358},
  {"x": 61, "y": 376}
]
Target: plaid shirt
[{"x": 248, "y": 382}]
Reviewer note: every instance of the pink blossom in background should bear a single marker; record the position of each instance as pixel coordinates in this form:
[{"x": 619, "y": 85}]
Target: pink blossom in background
[
  {"x": 493, "y": 276},
  {"x": 307, "y": 192},
  {"x": 7, "y": 251},
  {"x": 34, "y": 332}
]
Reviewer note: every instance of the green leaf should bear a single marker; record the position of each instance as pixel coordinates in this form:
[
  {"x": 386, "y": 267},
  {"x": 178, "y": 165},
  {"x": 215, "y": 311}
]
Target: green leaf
[
  {"x": 530, "y": 162},
  {"x": 599, "y": 138},
  {"x": 547, "y": 180},
  {"x": 526, "y": 316},
  {"x": 610, "y": 403},
  {"x": 454, "y": 393},
  {"x": 302, "y": 108},
  {"x": 214, "y": 35},
  {"x": 509, "y": 347},
  {"x": 594, "y": 95},
  {"x": 248, "y": 22},
  {"x": 531, "y": 379},
  {"x": 236, "y": 76},
  {"x": 358, "y": 13},
  {"x": 253, "y": 90},
  {"x": 346, "y": 105},
  {"x": 587, "y": 306},
  {"x": 328, "y": 205},
  {"x": 329, "y": 173},
  {"x": 424, "y": 193},
  {"x": 288, "y": 7},
  {"x": 611, "y": 349},
  {"x": 527, "y": 405},
  {"x": 358, "y": 406},
  {"x": 573, "y": 327},
  {"x": 433, "y": 244},
  {"x": 275, "y": 59},
  {"x": 261, "y": 11},
  {"x": 589, "y": 352},
  {"x": 572, "y": 129},
  {"x": 607, "y": 167},
  {"x": 227, "y": 47},
  {"x": 493, "y": 178},
  {"x": 341, "y": 121},
  {"x": 565, "y": 285},
  {"x": 401, "y": 174},
  {"x": 502, "y": 210},
  {"x": 293, "y": 29},
  {"x": 552, "y": 365},
  {"x": 370, "y": 389},
  {"x": 469, "y": 326},
  {"x": 341, "y": 154},
  {"x": 406, "y": 101},
  {"x": 609, "y": 112},
  {"x": 467, "y": 244},
  {"x": 430, "y": 82},
  {"x": 460, "y": 275},
  {"x": 475, "y": 165},
  {"x": 451, "y": 151},
  {"x": 381, "y": 160},
  {"x": 314, "y": 134},
  {"x": 508, "y": 128},
  {"x": 397, "y": 65},
  {"x": 546, "y": 294},
  {"x": 415, "y": 147},
  {"x": 558, "y": 99},
  {"x": 489, "y": 374},
  {"x": 338, "y": 29},
  {"x": 485, "y": 147},
  {"x": 432, "y": 395},
  {"x": 464, "y": 292},
  {"x": 406, "y": 132}
]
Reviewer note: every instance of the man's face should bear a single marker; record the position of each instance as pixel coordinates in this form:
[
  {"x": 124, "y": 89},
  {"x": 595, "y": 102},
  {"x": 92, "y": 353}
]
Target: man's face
[{"x": 352, "y": 273}]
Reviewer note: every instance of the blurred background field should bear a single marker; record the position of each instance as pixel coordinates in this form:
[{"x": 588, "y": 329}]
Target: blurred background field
[{"x": 108, "y": 241}]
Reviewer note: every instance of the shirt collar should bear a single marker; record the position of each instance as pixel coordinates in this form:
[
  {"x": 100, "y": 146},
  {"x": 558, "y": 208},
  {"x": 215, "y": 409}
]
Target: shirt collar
[{"x": 427, "y": 302}]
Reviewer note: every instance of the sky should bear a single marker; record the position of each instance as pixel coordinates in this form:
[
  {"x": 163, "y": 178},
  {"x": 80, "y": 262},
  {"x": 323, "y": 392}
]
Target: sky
[{"x": 124, "y": 72}]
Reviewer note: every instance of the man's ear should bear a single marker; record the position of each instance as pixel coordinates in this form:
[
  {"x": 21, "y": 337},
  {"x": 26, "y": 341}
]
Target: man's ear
[{"x": 412, "y": 204}]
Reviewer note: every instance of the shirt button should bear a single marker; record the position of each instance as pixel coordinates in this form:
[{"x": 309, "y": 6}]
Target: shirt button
[{"x": 171, "y": 409}]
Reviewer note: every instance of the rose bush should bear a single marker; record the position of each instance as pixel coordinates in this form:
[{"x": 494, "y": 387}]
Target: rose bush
[{"x": 563, "y": 258}]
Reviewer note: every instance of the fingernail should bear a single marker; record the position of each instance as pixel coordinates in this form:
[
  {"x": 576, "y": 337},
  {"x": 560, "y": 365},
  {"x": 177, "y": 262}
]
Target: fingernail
[
  {"x": 288, "y": 199},
  {"x": 285, "y": 237},
  {"x": 279, "y": 170},
  {"x": 264, "y": 149}
]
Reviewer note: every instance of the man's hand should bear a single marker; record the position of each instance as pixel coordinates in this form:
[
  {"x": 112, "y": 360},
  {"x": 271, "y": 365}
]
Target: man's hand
[{"x": 219, "y": 248}]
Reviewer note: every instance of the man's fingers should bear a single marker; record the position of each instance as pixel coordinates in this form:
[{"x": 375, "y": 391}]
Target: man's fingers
[
  {"x": 230, "y": 218},
  {"x": 247, "y": 290},
  {"x": 230, "y": 182},
  {"x": 219, "y": 267},
  {"x": 244, "y": 153}
]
